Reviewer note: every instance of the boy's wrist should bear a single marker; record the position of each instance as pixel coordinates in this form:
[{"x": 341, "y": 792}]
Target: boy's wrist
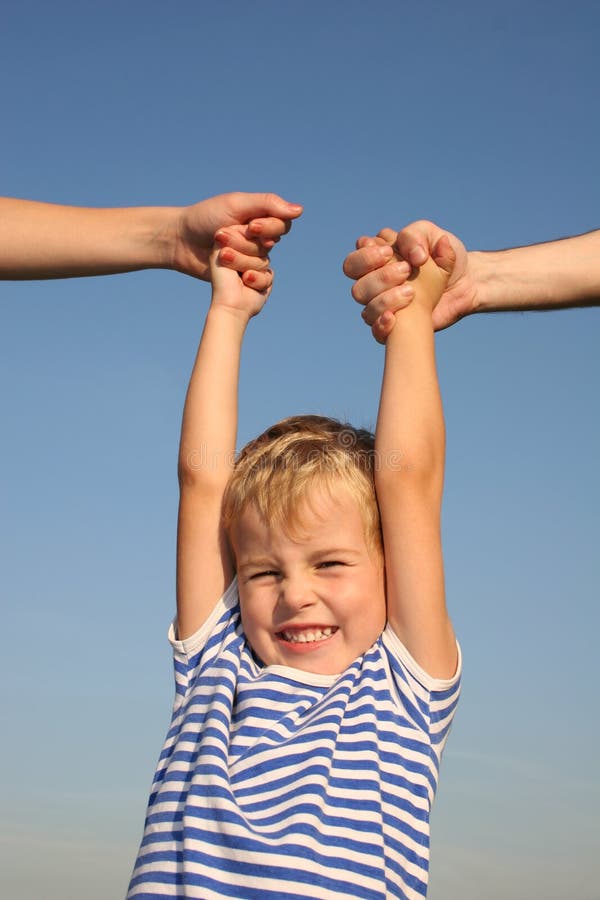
[
  {"x": 419, "y": 311},
  {"x": 220, "y": 310}
]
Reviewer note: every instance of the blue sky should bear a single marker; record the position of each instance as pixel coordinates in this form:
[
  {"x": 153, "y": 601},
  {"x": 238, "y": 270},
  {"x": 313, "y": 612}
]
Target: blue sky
[{"x": 482, "y": 117}]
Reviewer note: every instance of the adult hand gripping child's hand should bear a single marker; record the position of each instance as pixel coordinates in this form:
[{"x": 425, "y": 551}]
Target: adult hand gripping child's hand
[
  {"x": 243, "y": 293},
  {"x": 382, "y": 267},
  {"x": 261, "y": 220},
  {"x": 428, "y": 286}
]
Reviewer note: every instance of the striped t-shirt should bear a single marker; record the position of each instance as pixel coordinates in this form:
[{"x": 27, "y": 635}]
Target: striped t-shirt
[{"x": 277, "y": 783}]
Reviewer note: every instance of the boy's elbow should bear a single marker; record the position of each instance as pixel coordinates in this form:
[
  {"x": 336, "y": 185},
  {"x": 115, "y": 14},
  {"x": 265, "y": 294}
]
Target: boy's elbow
[
  {"x": 196, "y": 472},
  {"x": 423, "y": 466}
]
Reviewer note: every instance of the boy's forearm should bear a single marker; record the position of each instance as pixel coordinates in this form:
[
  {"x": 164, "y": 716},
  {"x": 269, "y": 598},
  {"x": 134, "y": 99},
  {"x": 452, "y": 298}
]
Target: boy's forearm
[
  {"x": 410, "y": 435},
  {"x": 43, "y": 240},
  {"x": 209, "y": 427},
  {"x": 553, "y": 275}
]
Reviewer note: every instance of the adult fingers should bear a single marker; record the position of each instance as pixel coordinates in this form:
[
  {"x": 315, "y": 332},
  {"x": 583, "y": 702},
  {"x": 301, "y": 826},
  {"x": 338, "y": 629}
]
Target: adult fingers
[
  {"x": 366, "y": 259},
  {"x": 387, "y": 235},
  {"x": 392, "y": 275},
  {"x": 444, "y": 254},
  {"x": 367, "y": 241},
  {"x": 388, "y": 301},
  {"x": 383, "y": 326},
  {"x": 236, "y": 238},
  {"x": 241, "y": 262},
  {"x": 258, "y": 281},
  {"x": 269, "y": 228},
  {"x": 416, "y": 242},
  {"x": 259, "y": 206}
]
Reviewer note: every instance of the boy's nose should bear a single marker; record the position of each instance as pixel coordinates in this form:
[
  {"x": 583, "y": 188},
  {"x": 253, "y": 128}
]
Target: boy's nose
[{"x": 296, "y": 594}]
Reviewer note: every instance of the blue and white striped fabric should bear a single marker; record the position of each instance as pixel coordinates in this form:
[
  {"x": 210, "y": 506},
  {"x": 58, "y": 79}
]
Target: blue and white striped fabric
[{"x": 276, "y": 783}]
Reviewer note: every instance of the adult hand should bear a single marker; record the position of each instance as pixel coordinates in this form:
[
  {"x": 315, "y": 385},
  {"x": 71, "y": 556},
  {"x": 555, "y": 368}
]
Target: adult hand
[
  {"x": 382, "y": 265},
  {"x": 262, "y": 220}
]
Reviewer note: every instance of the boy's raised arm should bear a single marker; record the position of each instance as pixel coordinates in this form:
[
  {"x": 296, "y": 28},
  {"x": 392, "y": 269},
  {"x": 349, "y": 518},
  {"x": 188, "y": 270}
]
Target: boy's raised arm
[
  {"x": 207, "y": 447},
  {"x": 410, "y": 449}
]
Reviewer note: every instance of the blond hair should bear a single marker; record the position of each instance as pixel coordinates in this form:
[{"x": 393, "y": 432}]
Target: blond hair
[{"x": 277, "y": 470}]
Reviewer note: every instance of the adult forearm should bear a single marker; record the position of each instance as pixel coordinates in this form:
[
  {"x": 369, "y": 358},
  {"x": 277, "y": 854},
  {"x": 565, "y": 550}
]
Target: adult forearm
[
  {"x": 553, "y": 275},
  {"x": 43, "y": 240}
]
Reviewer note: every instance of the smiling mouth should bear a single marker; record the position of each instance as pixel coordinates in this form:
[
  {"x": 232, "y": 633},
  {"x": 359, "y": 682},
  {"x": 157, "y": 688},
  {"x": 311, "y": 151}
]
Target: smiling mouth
[{"x": 308, "y": 635}]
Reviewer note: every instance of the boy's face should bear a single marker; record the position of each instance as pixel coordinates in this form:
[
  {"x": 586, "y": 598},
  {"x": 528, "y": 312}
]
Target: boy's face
[{"x": 315, "y": 601}]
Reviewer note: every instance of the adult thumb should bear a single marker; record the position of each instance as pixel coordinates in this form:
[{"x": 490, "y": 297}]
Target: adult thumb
[{"x": 256, "y": 206}]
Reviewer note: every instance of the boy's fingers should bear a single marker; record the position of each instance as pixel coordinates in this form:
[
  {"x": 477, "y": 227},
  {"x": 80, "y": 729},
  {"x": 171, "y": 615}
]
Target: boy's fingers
[
  {"x": 232, "y": 259},
  {"x": 392, "y": 275},
  {"x": 364, "y": 260},
  {"x": 390, "y": 301}
]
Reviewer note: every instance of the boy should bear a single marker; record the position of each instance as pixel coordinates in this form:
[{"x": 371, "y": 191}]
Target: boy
[{"x": 303, "y": 752}]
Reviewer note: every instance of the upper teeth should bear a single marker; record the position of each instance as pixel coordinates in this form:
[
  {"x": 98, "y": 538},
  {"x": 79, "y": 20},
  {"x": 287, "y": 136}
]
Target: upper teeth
[{"x": 303, "y": 637}]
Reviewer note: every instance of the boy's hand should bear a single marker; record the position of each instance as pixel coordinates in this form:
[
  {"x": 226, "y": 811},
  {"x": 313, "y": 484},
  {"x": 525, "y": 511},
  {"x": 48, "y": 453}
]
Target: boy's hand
[
  {"x": 262, "y": 219},
  {"x": 243, "y": 292},
  {"x": 427, "y": 283},
  {"x": 381, "y": 288}
]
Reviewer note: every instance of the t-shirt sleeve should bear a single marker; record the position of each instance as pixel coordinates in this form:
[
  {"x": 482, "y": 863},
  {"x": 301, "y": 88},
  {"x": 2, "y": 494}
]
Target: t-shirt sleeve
[
  {"x": 195, "y": 653},
  {"x": 431, "y": 701}
]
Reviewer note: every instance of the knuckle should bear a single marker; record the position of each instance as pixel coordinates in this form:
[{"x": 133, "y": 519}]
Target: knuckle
[
  {"x": 270, "y": 199},
  {"x": 357, "y": 292},
  {"x": 394, "y": 299},
  {"x": 390, "y": 275},
  {"x": 348, "y": 266}
]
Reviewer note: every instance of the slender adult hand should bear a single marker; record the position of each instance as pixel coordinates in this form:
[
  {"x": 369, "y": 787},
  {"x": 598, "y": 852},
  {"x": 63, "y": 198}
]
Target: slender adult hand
[
  {"x": 46, "y": 240},
  {"x": 261, "y": 219},
  {"x": 381, "y": 267}
]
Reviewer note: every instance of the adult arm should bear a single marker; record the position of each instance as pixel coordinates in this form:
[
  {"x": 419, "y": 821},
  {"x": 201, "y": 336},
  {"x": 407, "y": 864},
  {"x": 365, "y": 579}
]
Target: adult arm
[
  {"x": 44, "y": 240},
  {"x": 410, "y": 448},
  {"x": 553, "y": 275}
]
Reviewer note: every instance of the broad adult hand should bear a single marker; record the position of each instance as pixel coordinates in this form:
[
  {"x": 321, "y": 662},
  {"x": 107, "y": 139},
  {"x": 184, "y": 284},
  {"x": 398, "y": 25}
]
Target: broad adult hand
[
  {"x": 381, "y": 267},
  {"x": 261, "y": 219}
]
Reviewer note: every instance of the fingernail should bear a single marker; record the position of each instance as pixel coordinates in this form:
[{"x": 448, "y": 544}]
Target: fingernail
[
  {"x": 417, "y": 256},
  {"x": 250, "y": 277},
  {"x": 255, "y": 227},
  {"x": 386, "y": 252},
  {"x": 407, "y": 290},
  {"x": 226, "y": 256},
  {"x": 221, "y": 237}
]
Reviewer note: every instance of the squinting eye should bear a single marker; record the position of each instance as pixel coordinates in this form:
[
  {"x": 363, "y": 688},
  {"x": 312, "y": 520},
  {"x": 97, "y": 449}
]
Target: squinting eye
[
  {"x": 329, "y": 563},
  {"x": 266, "y": 574}
]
